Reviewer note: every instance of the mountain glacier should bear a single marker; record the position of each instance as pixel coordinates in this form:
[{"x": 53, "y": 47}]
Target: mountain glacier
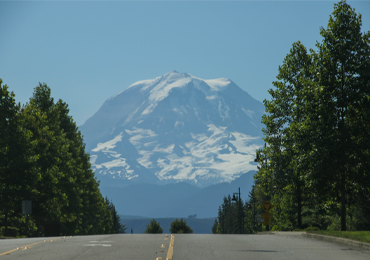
[{"x": 175, "y": 128}]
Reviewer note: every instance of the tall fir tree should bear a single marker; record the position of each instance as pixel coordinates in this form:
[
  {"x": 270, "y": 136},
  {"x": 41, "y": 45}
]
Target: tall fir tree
[
  {"x": 343, "y": 73},
  {"x": 317, "y": 122},
  {"x": 68, "y": 199},
  {"x": 18, "y": 172}
]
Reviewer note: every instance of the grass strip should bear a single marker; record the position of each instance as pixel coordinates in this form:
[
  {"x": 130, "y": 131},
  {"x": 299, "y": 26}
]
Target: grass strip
[{"x": 362, "y": 236}]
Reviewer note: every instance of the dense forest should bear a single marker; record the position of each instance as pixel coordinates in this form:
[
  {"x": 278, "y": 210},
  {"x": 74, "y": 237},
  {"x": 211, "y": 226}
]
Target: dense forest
[
  {"x": 314, "y": 167},
  {"x": 43, "y": 160}
]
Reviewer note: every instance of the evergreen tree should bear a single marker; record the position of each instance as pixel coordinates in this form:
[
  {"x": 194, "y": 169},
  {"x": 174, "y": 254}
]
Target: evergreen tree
[
  {"x": 154, "y": 227},
  {"x": 215, "y": 226},
  {"x": 251, "y": 210},
  {"x": 117, "y": 227},
  {"x": 52, "y": 149},
  {"x": 284, "y": 118},
  {"x": 230, "y": 216},
  {"x": 317, "y": 125},
  {"x": 180, "y": 226},
  {"x": 18, "y": 173},
  {"x": 43, "y": 159},
  {"x": 342, "y": 86},
  {"x": 68, "y": 200}
]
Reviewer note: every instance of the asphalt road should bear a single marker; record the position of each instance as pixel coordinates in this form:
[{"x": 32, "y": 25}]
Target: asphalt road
[{"x": 185, "y": 246}]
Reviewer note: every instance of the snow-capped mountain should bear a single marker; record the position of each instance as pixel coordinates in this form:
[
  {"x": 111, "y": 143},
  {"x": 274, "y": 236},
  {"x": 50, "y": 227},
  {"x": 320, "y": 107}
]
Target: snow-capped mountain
[{"x": 175, "y": 128}]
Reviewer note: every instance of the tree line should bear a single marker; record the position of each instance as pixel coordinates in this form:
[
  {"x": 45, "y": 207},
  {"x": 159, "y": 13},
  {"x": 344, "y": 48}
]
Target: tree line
[
  {"x": 177, "y": 226},
  {"x": 314, "y": 167},
  {"x": 239, "y": 217},
  {"x": 43, "y": 159}
]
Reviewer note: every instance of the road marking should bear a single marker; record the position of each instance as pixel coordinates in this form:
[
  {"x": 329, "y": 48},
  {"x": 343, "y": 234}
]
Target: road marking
[
  {"x": 166, "y": 238},
  {"x": 170, "y": 248},
  {"x": 158, "y": 258},
  {"x": 8, "y": 253},
  {"x": 163, "y": 245},
  {"x": 97, "y": 245},
  {"x": 101, "y": 241},
  {"x": 26, "y": 247}
]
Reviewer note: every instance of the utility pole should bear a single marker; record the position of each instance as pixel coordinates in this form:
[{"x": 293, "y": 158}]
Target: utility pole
[
  {"x": 268, "y": 196},
  {"x": 254, "y": 208},
  {"x": 267, "y": 206}
]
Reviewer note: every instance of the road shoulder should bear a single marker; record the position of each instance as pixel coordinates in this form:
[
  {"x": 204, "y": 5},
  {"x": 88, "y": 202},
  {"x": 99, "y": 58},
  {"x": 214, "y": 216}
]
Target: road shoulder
[{"x": 345, "y": 241}]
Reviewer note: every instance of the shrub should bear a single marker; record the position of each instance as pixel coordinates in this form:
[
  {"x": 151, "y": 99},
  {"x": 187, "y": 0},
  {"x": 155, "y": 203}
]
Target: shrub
[
  {"x": 180, "y": 226},
  {"x": 312, "y": 229},
  {"x": 12, "y": 231},
  {"x": 154, "y": 227}
]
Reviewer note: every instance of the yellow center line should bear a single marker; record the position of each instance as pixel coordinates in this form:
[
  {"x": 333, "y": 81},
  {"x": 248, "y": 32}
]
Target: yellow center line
[
  {"x": 9, "y": 251},
  {"x": 170, "y": 248},
  {"x": 26, "y": 247}
]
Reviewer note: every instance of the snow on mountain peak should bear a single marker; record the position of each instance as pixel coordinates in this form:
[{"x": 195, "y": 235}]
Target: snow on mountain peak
[
  {"x": 176, "y": 127},
  {"x": 218, "y": 84},
  {"x": 161, "y": 86}
]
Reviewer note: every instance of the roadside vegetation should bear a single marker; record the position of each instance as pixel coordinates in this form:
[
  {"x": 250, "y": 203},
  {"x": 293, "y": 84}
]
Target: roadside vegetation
[
  {"x": 43, "y": 159},
  {"x": 154, "y": 227},
  {"x": 177, "y": 226},
  {"x": 180, "y": 226},
  {"x": 315, "y": 165},
  {"x": 362, "y": 236}
]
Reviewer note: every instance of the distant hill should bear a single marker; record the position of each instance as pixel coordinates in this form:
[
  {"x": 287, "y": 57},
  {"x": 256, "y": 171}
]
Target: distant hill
[
  {"x": 199, "y": 226},
  {"x": 175, "y": 200},
  {"x": 132, "y": 217}
]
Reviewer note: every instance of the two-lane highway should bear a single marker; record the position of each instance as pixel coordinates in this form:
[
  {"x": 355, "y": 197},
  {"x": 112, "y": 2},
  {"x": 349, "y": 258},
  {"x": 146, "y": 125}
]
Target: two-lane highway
[
  {"x": 177, "y": 247},
  {"x": 125, "y": 246},
  {"x": 278, "y": 246}
]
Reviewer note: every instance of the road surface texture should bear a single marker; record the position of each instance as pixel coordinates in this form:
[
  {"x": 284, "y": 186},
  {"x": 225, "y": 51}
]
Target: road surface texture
[{"x": 282, "y": 246}]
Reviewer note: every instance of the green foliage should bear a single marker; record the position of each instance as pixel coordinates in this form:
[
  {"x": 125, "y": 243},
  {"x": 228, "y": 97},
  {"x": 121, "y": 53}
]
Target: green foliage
[
  {"x": 360, "y": 212},
  {"x": 154, "y": 227},
  {"x": 232, "y": 215},
  {"x": 311, "y": 229},
  {"x": 251, "y": 209},
  {"x": 18, "y": 173},
  {"x": 43, "y": 159},
  {"x": 317, "y": 129},
  {"x": 218, "y": 230},
  {"x": 180, "y": 226},
  {"x": 363, "y": 236},
  {"x": 117, "y": 227},
  {"x": 227, "y": 216},
  {"x": 215, "y": 227},
  {"x": 12, "y": 231},
  {"x": 334, "y": 224}
]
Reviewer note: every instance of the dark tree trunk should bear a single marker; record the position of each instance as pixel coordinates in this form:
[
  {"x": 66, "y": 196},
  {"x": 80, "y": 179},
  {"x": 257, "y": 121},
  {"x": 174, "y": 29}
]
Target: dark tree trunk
[
  {"x": 6, "y": 223},
  {"x": 343, "y": 202},
  {"x": 299, "y": 198}
]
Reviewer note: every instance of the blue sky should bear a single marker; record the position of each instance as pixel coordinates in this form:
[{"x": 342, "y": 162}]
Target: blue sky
[{"x": 87, "y": 51}]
